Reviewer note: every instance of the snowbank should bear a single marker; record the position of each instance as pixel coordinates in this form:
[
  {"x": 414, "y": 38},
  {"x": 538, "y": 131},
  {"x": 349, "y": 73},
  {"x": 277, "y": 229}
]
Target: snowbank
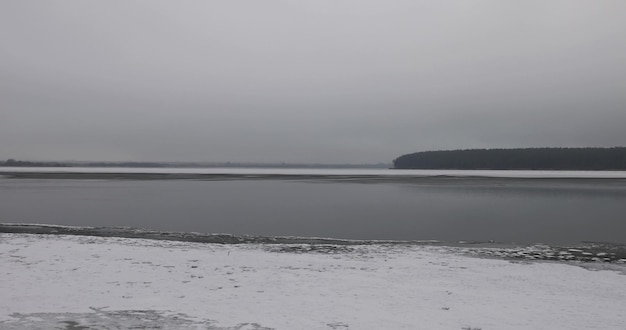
[{"x": 71, "y": 282}]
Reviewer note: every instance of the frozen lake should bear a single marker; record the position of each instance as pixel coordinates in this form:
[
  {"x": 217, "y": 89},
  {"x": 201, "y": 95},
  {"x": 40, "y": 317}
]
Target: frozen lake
[
  {"x": 503, "y": 206},
  {"x": 327, "y": 172}
]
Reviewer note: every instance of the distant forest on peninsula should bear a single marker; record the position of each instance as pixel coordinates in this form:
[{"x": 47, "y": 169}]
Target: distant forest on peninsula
[
  {"x": 517, "y": 159},
  {"x": 592, "y": 159}
]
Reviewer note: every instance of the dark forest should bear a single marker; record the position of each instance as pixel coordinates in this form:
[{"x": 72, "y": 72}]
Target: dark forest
[{"x": 517, "y": 159}]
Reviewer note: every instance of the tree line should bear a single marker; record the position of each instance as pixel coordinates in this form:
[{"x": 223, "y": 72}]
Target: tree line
[
  {"x": 517, "y": 159},
  {"x": 23, "y": 163}
]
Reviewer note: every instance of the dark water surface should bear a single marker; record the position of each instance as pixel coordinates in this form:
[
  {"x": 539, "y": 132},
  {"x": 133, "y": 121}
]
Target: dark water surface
[{"x": 481, "y": 209}]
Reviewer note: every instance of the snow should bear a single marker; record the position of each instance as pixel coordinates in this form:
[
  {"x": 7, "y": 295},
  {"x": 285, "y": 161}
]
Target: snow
[
  {"x": 71, "y": 282},
  {"x": 327, "y": 172}
]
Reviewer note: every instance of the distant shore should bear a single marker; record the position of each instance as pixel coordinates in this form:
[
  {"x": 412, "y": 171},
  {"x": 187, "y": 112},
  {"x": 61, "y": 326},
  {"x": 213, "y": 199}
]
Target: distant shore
[{"x": 364, "y": 175}]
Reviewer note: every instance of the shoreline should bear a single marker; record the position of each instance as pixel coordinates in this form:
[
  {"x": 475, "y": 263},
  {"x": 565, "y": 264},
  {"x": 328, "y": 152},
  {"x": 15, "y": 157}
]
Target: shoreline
[{"x": 599, "y": 252}]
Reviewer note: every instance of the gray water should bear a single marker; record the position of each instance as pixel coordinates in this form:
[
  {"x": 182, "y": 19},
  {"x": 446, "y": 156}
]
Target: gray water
[{"x": 502, "y": 210}]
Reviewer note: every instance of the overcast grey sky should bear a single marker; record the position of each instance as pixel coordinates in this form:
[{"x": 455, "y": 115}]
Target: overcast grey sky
[{"x": 333, "y": 81}]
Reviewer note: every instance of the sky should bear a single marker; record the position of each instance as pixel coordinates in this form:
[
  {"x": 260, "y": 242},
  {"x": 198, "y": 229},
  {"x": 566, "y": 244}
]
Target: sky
[{"x": 324, "y": 81}]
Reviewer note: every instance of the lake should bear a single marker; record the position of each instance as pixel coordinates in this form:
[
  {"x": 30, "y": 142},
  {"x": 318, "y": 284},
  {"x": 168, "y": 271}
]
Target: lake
[{"x": 502, "y": 206}]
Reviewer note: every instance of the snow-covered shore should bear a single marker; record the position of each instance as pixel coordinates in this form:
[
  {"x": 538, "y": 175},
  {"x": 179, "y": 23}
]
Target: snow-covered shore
[{"x": 83, "y": 282}]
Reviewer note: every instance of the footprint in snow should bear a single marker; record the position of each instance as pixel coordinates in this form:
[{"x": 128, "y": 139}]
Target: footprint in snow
[{"x": 338, "y": 325}]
